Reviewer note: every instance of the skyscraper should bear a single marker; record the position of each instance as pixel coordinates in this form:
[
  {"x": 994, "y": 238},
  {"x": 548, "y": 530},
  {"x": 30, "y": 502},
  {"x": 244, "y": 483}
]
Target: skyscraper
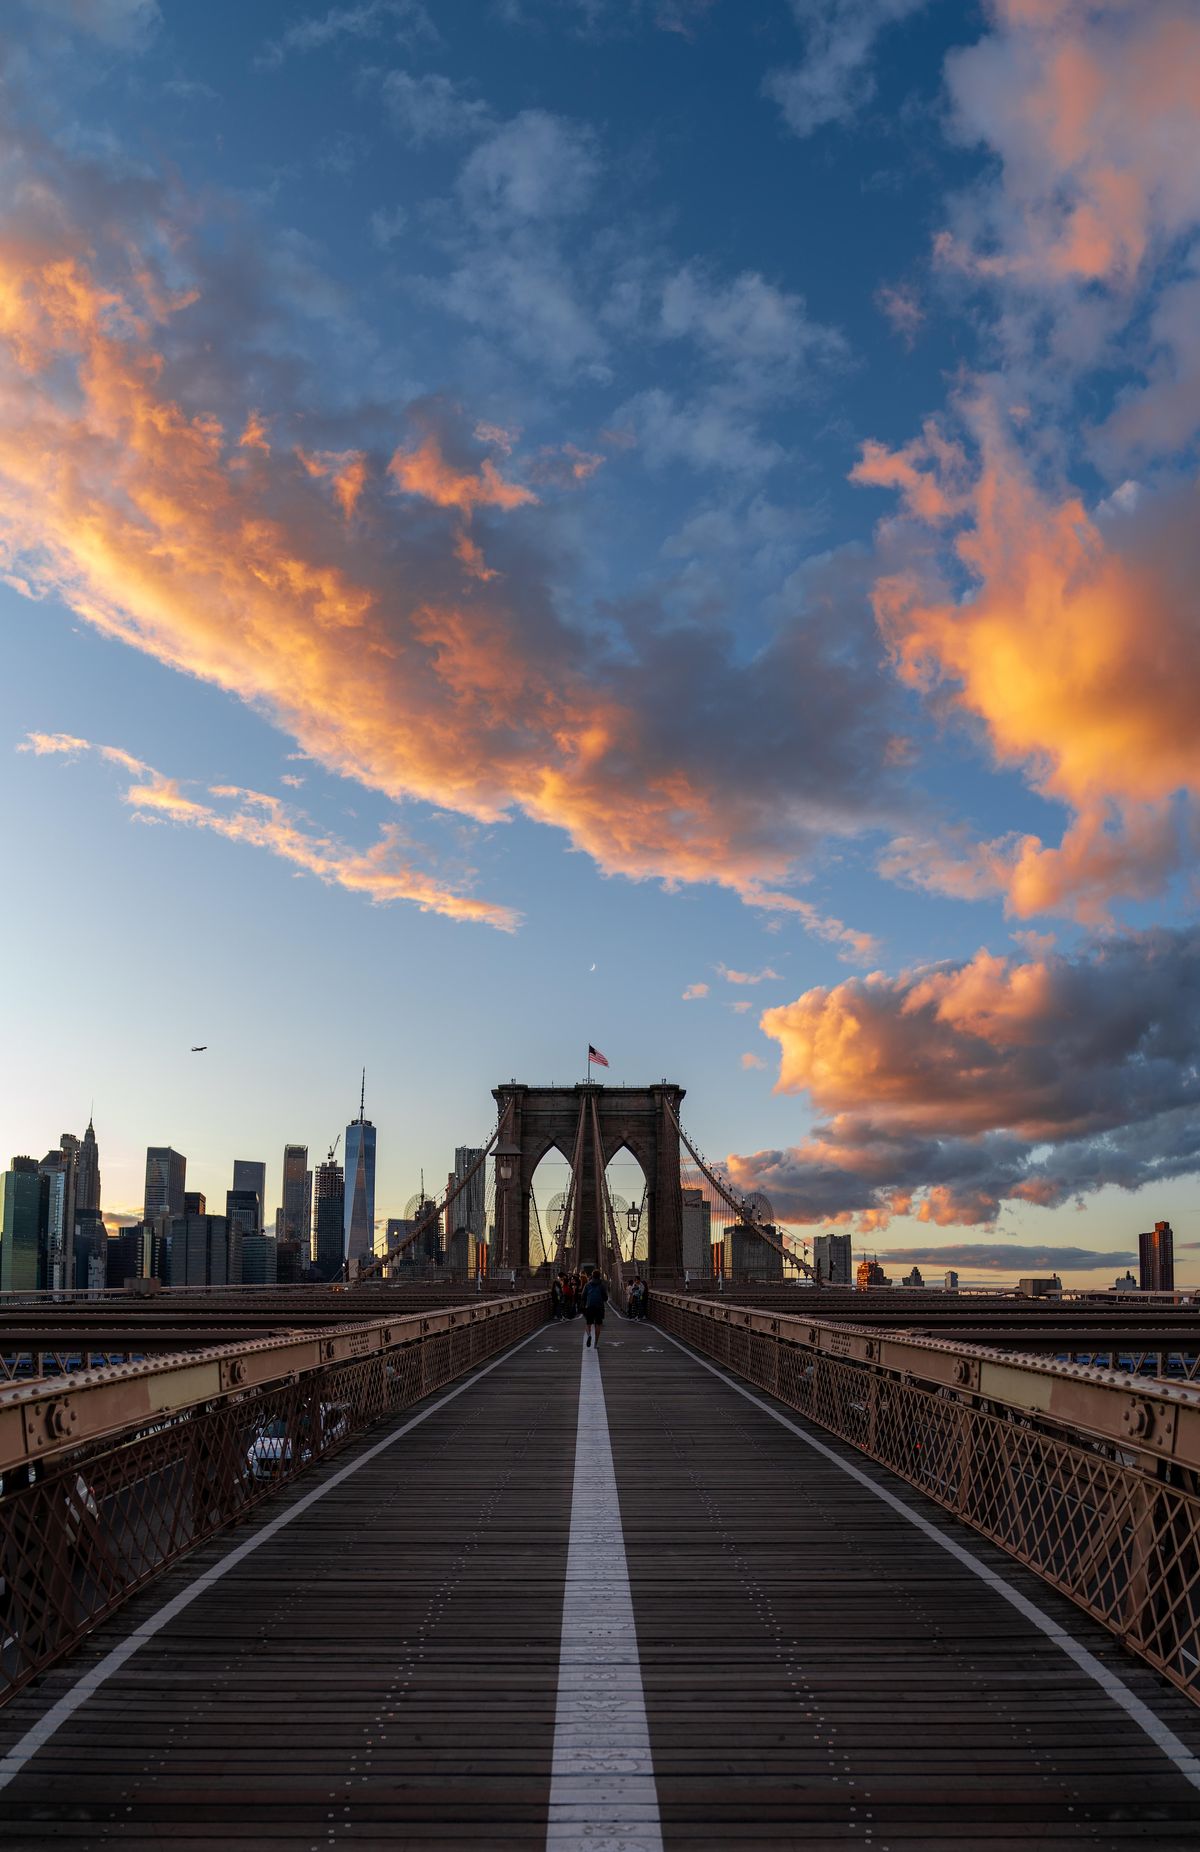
[
  {"x": 20, "y": 1225},
  {"x": 87, "y": 1171},
  {"x": 293, "y": 1221},
  {"x": 697, "y": 1233},
  {"x": 166, "y": 1172},
  {"x": 832, "y": 1260},
  {"x": 360, "y": 1184},
  {"x": 330, "y": 1183},
  {"x": 1156, "y": 1259},
  {"x": 58, "y": 1215},
  {"x": 243, "y": 1222},
  {"x": 469, "y": 1209},
  {"x": 249, "y": 1175}
]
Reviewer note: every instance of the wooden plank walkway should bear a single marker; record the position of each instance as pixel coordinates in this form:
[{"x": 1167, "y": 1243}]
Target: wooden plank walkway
[{"x": 383, "y": 1670}]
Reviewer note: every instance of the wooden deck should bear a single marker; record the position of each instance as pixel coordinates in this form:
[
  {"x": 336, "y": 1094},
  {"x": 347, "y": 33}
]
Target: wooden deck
[{"x": 384, "y": 1668}]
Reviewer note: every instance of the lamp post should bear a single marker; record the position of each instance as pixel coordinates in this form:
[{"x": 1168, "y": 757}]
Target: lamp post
[{"x": 505, "y": 1171}]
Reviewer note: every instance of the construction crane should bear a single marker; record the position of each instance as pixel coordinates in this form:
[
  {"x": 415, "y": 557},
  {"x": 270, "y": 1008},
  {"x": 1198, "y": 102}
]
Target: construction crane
[{"x": 333, "y": 1149}]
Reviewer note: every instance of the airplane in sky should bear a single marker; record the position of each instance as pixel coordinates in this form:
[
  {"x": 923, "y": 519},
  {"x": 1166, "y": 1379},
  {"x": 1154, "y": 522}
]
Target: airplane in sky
[{"x": 203, "y": 1048}]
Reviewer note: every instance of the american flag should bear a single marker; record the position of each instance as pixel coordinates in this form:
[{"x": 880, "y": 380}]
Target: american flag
[{"x": 595, "y": 1055}]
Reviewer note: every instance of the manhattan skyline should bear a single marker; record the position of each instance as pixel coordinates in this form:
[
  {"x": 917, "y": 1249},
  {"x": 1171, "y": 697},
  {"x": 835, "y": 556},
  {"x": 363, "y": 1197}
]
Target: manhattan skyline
[{"x": 665, "y": 525}]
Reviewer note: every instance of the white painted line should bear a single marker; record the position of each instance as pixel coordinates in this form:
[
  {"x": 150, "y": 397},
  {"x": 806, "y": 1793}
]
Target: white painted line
[
  {"x": 59, "y": 1713},
  {"x": 1164, "y": 1738},
  {"x": 602, "y": 1790}
]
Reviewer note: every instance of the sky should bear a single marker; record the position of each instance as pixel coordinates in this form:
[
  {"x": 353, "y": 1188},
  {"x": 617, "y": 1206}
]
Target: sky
[{"x": 666, "y": 523}]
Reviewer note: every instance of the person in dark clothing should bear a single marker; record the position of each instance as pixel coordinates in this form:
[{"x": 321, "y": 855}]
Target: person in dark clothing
[
  {"x": 556, "y": 1297},
  {"x": 639, "y": 1298},
  {"x": 595, "y": 1298}
]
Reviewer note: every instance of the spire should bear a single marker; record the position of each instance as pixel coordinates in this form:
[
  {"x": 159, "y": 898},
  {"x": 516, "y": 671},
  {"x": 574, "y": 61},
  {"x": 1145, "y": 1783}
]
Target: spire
[{"x": 362, "y": 1100}]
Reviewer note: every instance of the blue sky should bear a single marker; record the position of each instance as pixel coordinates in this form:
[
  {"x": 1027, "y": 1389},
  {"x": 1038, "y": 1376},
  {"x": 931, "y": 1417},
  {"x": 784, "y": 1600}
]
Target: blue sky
[{"x": 703, "y": 492}]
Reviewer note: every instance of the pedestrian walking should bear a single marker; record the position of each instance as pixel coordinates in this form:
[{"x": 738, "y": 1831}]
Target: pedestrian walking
[{"x": 595, "y": 1298}]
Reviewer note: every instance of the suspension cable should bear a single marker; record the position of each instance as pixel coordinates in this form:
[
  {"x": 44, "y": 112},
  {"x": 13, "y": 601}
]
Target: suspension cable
[
  {"x": 570, "y": 1207},
  {"x": 739, "y": 1207},
  {"x": 605, "y": 1199},
  {"x": 374, "y": 1268}
]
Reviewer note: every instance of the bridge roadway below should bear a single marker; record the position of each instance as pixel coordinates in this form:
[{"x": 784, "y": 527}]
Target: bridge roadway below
[{"x": 385, "y": 1657}]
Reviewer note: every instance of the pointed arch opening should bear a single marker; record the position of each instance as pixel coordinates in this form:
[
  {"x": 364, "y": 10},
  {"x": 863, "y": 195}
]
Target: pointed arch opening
[
  {"x": 548, "y": 1188},
  {"x": 632, "y": 1209}
]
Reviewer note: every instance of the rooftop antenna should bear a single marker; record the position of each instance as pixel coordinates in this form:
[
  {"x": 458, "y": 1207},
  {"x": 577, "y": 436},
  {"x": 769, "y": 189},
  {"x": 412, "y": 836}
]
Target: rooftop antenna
[{"x": 362, "y": 1100}]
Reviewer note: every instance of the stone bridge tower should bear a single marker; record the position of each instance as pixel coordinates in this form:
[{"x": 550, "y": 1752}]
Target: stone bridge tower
[{"x": 547, "y": 1118}]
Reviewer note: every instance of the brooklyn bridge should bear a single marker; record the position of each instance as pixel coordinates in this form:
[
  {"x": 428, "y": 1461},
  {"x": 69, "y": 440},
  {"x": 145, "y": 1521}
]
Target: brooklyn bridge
[{"x": 404, "y": 1562}]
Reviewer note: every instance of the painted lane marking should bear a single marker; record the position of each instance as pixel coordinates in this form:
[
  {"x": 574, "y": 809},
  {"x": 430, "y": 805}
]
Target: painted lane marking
[
  {"x": 1140, "y": 1713},
  {"x": 602, "y": 1789},
  {"x": 61, "y": 1712}
]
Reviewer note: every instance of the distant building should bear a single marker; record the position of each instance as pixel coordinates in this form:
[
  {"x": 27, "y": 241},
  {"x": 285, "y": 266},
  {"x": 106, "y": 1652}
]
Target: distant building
[
  {"x": 913, "y": 1278},
  {"x": 195, "y": 1202},
  {"x": 293, "y": 1220},
  {"x": 1126, "y": 1283},
  {"x": 87, "y": 1171},
  {"x": 1040, "y": 1288},
  {"x": 360, "y": 1188},
  {"x": 243, "y": 1216},
  {"x": 870, "y": 1273},
  {"x": 833, "y": 1262},
  {"x": 197, "y": 1251},
  {"x": 124, "y": 1259},
  {"x": 20, "y": 1226},
  {"x": 251, "y": 1176},
  {"x": 289, "y": 1268},
  {"x": 57, "y": 1258},
  {"x": 90, "y": 1251},
  {"x": 951, "y": 1281},
  {"x": 469, "y": 1209},
  {"x": 166, "y": 1172},
  {"x": 1156, "y": 1259},
  {"x": 697, "y": 1233},
  {"x": 460, "y": 1250},
  {"x": 329, "y": 1189},
  {"x": 258, "y": 1260},
  {"x": 748, "y": 1257}
]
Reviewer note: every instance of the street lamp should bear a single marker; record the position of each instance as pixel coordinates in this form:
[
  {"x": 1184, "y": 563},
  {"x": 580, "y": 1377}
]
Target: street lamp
[{"x": 505, "y": 1171}]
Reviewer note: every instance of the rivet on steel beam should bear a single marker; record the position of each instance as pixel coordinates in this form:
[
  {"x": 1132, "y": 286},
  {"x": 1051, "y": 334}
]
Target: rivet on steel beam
[
  {"x": 61, "y": 1420},
  {"x": 1138, "y": 1420}
]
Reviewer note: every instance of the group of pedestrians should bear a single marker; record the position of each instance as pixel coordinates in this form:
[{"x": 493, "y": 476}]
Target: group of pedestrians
[{"x": 576, "y": 1294}]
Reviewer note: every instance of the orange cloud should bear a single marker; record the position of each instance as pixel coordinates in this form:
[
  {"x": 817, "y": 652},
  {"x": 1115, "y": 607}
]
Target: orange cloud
[
  {"x": 746, "y": 977},
  {"x": 1076, "y": 647},
  {"x": 381, "y": 873},
  {"x": 948, "y": 1090},
  {"x": 131, "y": 507},
  {"x": 426, "y": 472},
  {"x": 346, "y": 471},
  {"x": 1092, "y": 107},
  {"x": 254, "y": 436}
]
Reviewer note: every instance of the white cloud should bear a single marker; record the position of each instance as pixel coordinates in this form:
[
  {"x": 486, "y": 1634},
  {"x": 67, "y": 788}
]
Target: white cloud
[
  {"x": 693, "y": 991},
  {"x": 406, "y": 20},
  {"x": 760, "y": 335},
  {"x": 387, "y": 223},
  {"x": 835, "y": 81},
  {"x": 431, "y": 108},
  {"x": 536, "y": 167}
]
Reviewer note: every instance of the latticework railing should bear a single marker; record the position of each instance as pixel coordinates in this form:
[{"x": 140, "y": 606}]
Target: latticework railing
[
  {"x": 182, "y": 1449},
  {"x": 1114, "y": 1527}
]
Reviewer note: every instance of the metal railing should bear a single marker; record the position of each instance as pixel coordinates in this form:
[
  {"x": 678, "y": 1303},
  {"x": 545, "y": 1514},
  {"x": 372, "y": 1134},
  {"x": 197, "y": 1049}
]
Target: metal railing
[
  {"x": 1086, "y": 1476},
  {"x": 109, "y": 1478}
]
